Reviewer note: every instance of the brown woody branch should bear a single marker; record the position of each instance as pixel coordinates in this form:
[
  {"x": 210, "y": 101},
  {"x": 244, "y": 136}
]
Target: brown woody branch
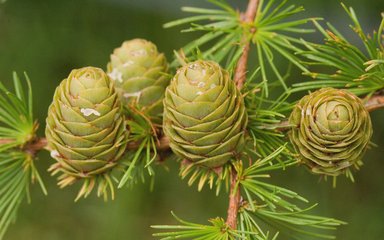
[
  {"x": 31, "y": 147},
  {"x": 234, "y": 202},
  {"x": 374, "y": 103},
  {"x": 41, "y": 143},
  {"x": 239, "y": 78},
  {"x": 35, "y": 146},
  {"x": 241, "y": 69},
  {"x": 5, "y": 141}
]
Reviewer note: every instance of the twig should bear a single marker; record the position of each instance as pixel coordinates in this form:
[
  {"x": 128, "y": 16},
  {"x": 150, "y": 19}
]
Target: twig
[
  {"x": 241, "y": 68},
  {"x": 41, "y": 143},
  {"x": 240, "y": 77},
  {"x": 374, "y": 103},
  {"x": 32, "y": 147},
  {"x": 234, "y": 202},
  {"x": 35, "y": 146},
  {"x": 6, "y": 141}
]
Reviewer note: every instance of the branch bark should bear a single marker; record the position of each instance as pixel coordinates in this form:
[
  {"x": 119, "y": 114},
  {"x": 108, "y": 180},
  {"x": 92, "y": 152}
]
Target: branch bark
[
  {"x": 374, "y": 103},
  {"x": 32, "y": 147},
  {"x": 35, "y": 146},
  {"x": 240, "y": 76},
  {"x": 234, "y": 202},
  {"x": 241, "y": 68},
  {"x": 5, "y": 141},
  {"x": 41, "y": 143}
]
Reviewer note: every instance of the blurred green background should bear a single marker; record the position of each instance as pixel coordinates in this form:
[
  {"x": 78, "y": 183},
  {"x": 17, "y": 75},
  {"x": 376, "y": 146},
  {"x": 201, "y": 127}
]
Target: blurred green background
[{"x": 48, "y": 38}]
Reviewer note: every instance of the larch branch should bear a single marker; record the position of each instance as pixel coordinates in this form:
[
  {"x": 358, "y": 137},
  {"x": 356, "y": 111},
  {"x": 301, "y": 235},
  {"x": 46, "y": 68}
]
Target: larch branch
[
  {"x": 241, "y": 68},
  {"x": 239, "y": 78},
  {"x": 234, "y": 202},
  {"x": 374, "y": 103}
]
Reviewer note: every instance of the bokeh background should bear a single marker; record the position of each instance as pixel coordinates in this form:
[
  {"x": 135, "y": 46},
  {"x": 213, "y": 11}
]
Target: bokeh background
[{"x": 48, "y": 38}]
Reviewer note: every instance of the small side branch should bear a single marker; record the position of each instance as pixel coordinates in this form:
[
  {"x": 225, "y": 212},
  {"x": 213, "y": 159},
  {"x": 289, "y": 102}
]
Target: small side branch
[
  {"x": 374, "y": 103},
  {"x": 41, "y": 143},
  {"x": 31, "y": 147},
  {"x": 5, "y": 141},
  {"x": 241, "y": 68},
  {"x": 35, "y": 146}
]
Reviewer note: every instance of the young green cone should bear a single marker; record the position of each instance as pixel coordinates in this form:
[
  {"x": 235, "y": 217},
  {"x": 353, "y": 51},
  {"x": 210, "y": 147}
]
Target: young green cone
[
  {"x": 204, "y": 114},
  {"x": 332, "y": 130},
  {"x": 85, "y": 127},
  {"x": 140, "y": 75}
]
